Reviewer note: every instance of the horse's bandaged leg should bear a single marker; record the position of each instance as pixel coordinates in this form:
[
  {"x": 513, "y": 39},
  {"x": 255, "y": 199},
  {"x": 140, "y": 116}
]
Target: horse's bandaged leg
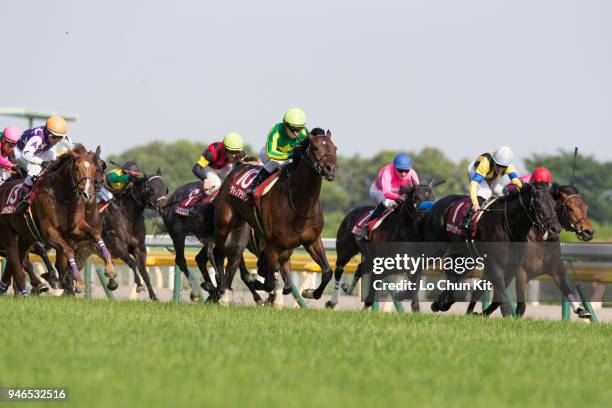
[
  {"x": 334, "y": 298},
  {"x": 104, "y": 251},
  {"x": 3, "y": 287},
  {"x": 75, "y": 270},
  {"x": 278, "y": 291}
]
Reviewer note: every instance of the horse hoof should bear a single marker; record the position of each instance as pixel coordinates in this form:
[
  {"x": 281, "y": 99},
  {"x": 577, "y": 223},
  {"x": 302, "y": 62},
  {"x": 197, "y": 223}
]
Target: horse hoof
[
  {"x": 330, "y": 305},
  {"x": 112, "y": 285},
  {"x": 347, "y": 289},
  {"x": 79, "y": 287},
  {"x": 434, "y": 307},
  {"x": 154, "y": 298},
  {"x": 42, "y": 288},
  {"x": 207, "y": 286},
  {"x": 286, "y": 291},
  {"x": 583, "y": 314},
  {"x": 403, "y": 295},
  {"x": 309, "y": 294},
  {"x": 140, "y": 288},
  {"x": 260, "y": 302}
]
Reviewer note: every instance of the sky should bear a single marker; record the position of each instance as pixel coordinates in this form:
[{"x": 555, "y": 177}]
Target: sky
[{"x": 462, "y": 76}]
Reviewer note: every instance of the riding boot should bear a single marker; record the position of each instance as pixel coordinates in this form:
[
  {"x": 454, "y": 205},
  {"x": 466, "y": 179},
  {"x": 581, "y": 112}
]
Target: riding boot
[
  {"x": 25, "y": 197},
  {"x": 467, "y": 218},
  {"x": 380, "y": 208},
  {"x": 259, "y": 178}
]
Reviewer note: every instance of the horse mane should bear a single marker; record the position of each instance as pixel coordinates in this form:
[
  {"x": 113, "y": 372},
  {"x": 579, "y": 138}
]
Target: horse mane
[
  {"x": 557, "y": 189},
  {"x": 78, "y": 150},
  {"x": 299, "y": 150}
]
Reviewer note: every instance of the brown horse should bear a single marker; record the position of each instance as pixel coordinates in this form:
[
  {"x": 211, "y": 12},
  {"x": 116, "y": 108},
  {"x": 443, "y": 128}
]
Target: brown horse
[
  {"x": 399, "y": 226},
  {"x": 290, "y": 215},
  {"x": 57, "y": 215},
  {"x": 545, "y": 258},
  {"x": 123, "y": 227}
]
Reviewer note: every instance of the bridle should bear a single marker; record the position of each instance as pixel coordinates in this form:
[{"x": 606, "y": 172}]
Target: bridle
[
  {"x": 536, "y": 221},
  {"x": 146, "y": 202},
  {"x": 573, "y": 225},
  {"x": 75, "y": 184},
  {"x": 315, "y": 164}
]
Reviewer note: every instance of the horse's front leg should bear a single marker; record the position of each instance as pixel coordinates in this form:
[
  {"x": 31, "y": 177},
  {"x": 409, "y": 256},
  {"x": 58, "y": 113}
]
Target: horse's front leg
[
  {"x": 83, "y": 228},
  {"x": 274, "y": 268},
  {"x": 317, "y": 252}
]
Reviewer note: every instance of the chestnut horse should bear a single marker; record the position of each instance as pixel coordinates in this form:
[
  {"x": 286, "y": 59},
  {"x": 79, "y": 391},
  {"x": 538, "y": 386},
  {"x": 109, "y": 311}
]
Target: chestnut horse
[
  {"x": 57, "y": 214},
  {"x": 290, "y": 216}
]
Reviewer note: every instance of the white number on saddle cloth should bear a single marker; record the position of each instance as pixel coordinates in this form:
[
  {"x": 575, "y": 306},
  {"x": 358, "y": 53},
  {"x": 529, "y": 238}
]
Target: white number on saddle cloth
[
  {"x": 247, "y": 178},
  {"x": 193, "y": 195},
  {"x": 239, "y": 187},
  {"x": 9, "y": 206}
]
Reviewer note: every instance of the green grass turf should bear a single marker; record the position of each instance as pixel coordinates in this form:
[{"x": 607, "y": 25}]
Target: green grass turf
[{"x": 146, "y": 354}]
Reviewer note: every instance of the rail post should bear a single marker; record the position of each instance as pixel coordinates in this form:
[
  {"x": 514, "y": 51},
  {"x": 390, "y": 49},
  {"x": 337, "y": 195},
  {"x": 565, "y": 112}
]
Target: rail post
[
  {"x": 297, "y": 296},
  {"x": 486, "y": 299},
  {"x": 176, "y": 291},
  {"x": 565, "y": 309},
  {"x": 88, "y": 267},
  {"x": 585, "y": 302}
]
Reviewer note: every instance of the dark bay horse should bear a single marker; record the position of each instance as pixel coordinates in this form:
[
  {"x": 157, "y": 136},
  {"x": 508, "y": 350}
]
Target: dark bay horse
[
  {"x": 200, "y": 223},
  {"x": 58, "y": 215},
  {"x": 399, "y": 226},
  {"x": 545, "y": 258},
  {"x": 504, "y": 223},
  {"x": 123, "y": 227},
  {"x": 290, "y": 215}
]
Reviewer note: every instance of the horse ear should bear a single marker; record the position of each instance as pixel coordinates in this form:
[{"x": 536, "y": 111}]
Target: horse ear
[
  {"x": 158, "y": 172},
  {"x": 437, "y": 183},
  {"x": 98, "y": 150},
  {"x": 328, "y": 133}
]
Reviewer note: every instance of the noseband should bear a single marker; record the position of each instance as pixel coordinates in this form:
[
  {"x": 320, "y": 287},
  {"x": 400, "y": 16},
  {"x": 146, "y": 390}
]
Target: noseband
[
  {"x": 146, "y": 201},
  {"x": 575, "y": 226}
]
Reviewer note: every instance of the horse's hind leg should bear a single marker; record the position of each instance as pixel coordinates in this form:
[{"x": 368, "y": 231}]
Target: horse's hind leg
[
  {"x": 250, "y": 284},
  {"x": 202, "y": 261},
  {"x": 37, "y": 285},
  {"x": 51, "y": 275},
  {"x": 14, "y": 257},
  {"x": 181, "y": 262},
  {"x": 140, "y": 254},
  {"x": 317, "y": 252}
]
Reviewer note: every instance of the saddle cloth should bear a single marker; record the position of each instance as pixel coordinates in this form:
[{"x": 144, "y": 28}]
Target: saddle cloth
[
  {"x": 197, "y": 196},
  {"x": 455, "y": 215},
  {"x": 372, "y": 224},
  {"x": 243, "y": 181}
]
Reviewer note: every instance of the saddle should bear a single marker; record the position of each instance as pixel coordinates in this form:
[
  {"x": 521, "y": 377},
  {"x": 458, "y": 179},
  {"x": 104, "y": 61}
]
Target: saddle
[
  {"x": 196, "y": 197},
  {"x": 372, "y": 224},
  {"x": 457, "y": 212},
  {"x": 241, "y": 184}
]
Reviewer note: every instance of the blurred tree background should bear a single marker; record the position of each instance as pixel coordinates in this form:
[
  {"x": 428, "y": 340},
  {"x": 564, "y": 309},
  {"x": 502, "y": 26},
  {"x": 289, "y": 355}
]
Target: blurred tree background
[{"x": 355, "y": 175}]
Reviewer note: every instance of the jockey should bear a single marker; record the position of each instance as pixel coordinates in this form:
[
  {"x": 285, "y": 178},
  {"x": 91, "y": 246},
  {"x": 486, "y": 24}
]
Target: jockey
[
  {"x": 217, "y": 161},
  {"x": 35, "y": 150},
  {"x": 119, "y": 179},
  {"x": 8, "y": 139},
  {"x": 540, "y": 175},
  {"x": 486, "y": 175},
  {"x": 385, "y": 190},
  {"x": 282, "y": 139}
]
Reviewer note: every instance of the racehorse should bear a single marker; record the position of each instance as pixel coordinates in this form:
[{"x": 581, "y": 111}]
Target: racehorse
[
  {"x": 505, "y": 222},
  {"x": 289, "y": 215},
  {"x": 399, "y": 226},
  {"x": 545, "y": 258},
  {"x": 200, "y": 223},
  {"x": 58, "y": 218},
  {"x": 123, "y": 227}
]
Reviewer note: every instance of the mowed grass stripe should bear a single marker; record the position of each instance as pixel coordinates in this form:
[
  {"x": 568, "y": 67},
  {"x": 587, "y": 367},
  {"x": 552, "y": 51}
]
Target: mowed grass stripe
[{"x": 147, "y": 354}]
